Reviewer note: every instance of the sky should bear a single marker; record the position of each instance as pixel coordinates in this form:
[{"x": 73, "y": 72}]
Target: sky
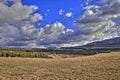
[
  {"x": 54, "y": 23},
  {"x": 65, "y": 11}
]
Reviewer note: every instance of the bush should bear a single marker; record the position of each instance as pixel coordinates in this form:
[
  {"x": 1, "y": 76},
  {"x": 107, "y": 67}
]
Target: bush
[{"x": 15, "y": 53}]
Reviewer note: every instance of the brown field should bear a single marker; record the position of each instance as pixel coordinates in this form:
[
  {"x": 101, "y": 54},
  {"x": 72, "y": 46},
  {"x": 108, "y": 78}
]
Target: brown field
[{"x": 98, "y": 67}]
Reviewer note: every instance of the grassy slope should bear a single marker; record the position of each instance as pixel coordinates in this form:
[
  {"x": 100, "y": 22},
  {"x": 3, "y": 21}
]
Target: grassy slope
[{"x": 97, "y": 67}]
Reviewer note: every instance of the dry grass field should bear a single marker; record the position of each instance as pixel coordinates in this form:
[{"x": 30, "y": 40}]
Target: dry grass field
[{"x": 98, "y": 67}]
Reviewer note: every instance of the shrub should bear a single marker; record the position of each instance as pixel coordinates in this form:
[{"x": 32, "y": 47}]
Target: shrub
[{"x": 15, "y": 53}]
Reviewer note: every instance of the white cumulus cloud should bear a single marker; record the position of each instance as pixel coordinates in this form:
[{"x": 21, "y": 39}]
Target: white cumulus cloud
[
  {"x": 69, "y": 14},
  {"x": 61, "y": 12}
]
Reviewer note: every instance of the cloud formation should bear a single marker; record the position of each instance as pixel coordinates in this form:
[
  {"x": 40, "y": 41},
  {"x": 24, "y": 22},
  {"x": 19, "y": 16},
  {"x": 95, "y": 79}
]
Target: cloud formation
[
  {"x": 69, "y": 14},
  {"x": 61, "y": 12},
  {"x": 17, "y": 23},
  {"x": 98, "y": 22},
  {"x": 17, "y": 27}
]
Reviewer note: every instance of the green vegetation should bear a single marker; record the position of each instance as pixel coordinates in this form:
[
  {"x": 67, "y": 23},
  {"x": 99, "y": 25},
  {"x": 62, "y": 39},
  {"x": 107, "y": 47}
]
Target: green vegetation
[
  {"x": 84, "y": 50},
  {"x": 44, "y": 53},
  {"x": 22, "y": 53}
]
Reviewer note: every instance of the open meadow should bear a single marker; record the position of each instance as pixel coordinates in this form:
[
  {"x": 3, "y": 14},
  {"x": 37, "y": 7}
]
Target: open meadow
[{"x": 97, "y": 67}]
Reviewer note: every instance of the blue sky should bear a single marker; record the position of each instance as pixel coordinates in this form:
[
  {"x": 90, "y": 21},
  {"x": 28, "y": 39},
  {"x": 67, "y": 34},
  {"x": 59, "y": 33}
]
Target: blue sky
[
  {"x": 50, "y": 10},
  {"x": 54, "y": 23}
]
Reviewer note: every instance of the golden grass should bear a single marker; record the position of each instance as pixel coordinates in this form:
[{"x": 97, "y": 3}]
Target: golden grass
[{"x": 98, "y": 67}]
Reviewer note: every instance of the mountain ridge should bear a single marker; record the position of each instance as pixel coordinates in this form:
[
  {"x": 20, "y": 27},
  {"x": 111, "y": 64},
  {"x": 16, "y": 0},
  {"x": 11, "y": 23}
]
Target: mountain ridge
[{"x": 113, "y": 42}]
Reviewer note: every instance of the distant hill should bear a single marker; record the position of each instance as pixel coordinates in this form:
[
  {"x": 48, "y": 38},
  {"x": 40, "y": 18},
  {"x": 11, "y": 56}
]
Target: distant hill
[{"x": 114, "y": 42}]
